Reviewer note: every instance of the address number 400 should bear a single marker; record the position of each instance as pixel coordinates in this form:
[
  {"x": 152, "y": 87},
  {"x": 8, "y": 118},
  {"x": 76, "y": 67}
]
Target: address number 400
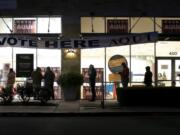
[{"x": 173, "y": 53}]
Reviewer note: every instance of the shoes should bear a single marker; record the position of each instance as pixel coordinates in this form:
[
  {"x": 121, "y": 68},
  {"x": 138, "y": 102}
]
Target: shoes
[{"x": 92, "y": 100}]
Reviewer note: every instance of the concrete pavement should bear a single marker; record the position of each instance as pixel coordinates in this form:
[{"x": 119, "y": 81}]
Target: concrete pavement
[{"x": 81, "y": 107}]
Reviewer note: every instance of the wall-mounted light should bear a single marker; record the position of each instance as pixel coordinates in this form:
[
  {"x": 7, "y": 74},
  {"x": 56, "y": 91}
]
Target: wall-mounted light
[{"x": 70, "y": 53}]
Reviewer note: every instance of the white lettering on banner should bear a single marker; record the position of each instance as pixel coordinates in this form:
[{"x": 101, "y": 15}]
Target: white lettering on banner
[{"x": 91, "y": 42}]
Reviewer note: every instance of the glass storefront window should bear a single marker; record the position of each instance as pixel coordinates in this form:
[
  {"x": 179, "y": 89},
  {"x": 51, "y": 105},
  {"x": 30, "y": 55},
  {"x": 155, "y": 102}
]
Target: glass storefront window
[
  {"x": 31, "y": 25},
  {"x": 92, "y": 56},
  {"x": 170, "y": 49},
  {"x": 92, "y": 25},
  {"x": 95, "y": 57},
  {"x": 5, "y": 63},
  {"x": 49, "y": 25},
  {"x": 142, "y": 24},
  {"x": 4, "y": 28},
  {"x": 142, "y": 55},
  {"x": 111, "y": 51},
  {"x": 113, "y": 80},
  {"x": 51, "y": 58},
  {"x": 48, "y": 57},
  {"x": 99, "y": 24}
]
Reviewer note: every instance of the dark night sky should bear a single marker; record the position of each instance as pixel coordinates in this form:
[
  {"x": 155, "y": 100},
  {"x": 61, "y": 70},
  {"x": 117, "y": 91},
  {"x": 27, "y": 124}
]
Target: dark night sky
[{"x": 99, "y": 7}]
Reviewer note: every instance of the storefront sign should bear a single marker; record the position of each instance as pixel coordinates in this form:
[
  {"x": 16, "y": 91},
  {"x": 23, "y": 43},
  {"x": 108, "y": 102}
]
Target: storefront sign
[
  {"x": 115, "y": 63},
  {"x": 24, "y": 26},
  {"x": 117, "y": 26},
  {"x": 24, "y": 65},
  {"x": 93, "y": 42},
  {"x": 171, "y": 26}
]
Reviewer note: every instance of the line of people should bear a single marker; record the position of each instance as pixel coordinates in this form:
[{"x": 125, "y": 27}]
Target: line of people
[
  {"x": 125, "y": 76},
  {"x": 48, "y": 77},
  {"x": 37, "y": 78}
]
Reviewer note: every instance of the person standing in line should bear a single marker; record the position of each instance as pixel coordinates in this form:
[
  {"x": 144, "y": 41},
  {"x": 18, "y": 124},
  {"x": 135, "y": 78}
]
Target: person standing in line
[
  {"x": 36, "y": 78},
  {"x": 148, "y": 77},
  {"x": 49, "y": 77},
  {"x": 125, "y": 75},
  {"x": 92, "y": 81},
  {"x": 11, "y": 78}
]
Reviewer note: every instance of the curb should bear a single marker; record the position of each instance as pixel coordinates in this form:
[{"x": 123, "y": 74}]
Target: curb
[{"x": 88, "y": 114}]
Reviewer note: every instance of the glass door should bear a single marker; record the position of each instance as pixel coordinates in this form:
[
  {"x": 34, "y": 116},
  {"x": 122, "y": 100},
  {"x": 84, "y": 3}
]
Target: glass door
[
  {"x": 177, "y": 73},
  {"x": 167, "y": 71},
  {"x": 164, "y": 70}
]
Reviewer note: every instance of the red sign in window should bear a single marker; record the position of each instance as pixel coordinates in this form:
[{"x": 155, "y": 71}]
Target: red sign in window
[
  {"x": 117, "y": 26},
  {"x": 171, "y": 26},
  {"x": 24, "y": 26}
]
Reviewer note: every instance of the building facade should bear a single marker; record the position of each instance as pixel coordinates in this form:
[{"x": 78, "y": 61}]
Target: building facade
[{"x": 53, "y": 22}]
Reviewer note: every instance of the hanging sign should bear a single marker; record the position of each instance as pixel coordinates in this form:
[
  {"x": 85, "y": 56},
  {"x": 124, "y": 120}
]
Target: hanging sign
[
  {"x": 117, "y": 26},
  {"x": 90, "y": 42},
  {"x": 24, "y": 26},
  {"x": 171, "y": 26}
]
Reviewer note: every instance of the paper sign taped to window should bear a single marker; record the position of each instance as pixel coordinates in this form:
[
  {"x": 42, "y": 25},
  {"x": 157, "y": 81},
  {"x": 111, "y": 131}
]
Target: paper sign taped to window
[
  {"x": 164, "y": 66},
  {"x": 114, "y": 77}
]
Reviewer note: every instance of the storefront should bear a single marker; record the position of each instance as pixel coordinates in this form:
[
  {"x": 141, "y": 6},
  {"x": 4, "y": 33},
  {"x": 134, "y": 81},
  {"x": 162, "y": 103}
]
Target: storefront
[
  {"x": 36, "y": 28},
  {"x": 162, "y": 56}
]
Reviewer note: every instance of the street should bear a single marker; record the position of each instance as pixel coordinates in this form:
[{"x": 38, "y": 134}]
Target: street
[{"x": 106, "y": 125}]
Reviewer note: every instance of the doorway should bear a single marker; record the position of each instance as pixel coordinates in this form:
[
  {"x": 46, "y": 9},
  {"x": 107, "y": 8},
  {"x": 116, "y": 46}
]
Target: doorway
[{"x": 167, "y": 71}]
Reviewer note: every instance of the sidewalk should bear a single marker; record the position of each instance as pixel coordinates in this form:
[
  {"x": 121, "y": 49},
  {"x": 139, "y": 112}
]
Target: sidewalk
[{"x": 81, "y": 107}]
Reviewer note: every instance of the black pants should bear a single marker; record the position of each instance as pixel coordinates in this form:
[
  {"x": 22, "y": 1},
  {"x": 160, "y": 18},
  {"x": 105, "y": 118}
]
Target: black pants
[
  {"x": 125, "y": 83},
  {"x": 92, "y": 85},
  {"x": 36, "y": 89},
  {"x": 51, "y": 88}
]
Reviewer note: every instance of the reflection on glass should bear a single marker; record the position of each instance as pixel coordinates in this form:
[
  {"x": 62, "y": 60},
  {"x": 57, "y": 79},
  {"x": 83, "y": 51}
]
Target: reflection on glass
[
  {"x": 164, "y": 83},
  {"x": 142, "y": 55}
]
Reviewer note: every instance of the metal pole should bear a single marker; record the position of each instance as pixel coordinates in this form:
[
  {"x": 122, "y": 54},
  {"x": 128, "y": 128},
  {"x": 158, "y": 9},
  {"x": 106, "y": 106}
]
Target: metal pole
[
  {"x": 36, "y": 58},
  {"x": 104, "y": 82},
  {"x": 12, "y": 53},
  {"x": 130, "y": 81},
  {"x": 155, "y": 76},
  {"x": 7, "y": 25}
]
